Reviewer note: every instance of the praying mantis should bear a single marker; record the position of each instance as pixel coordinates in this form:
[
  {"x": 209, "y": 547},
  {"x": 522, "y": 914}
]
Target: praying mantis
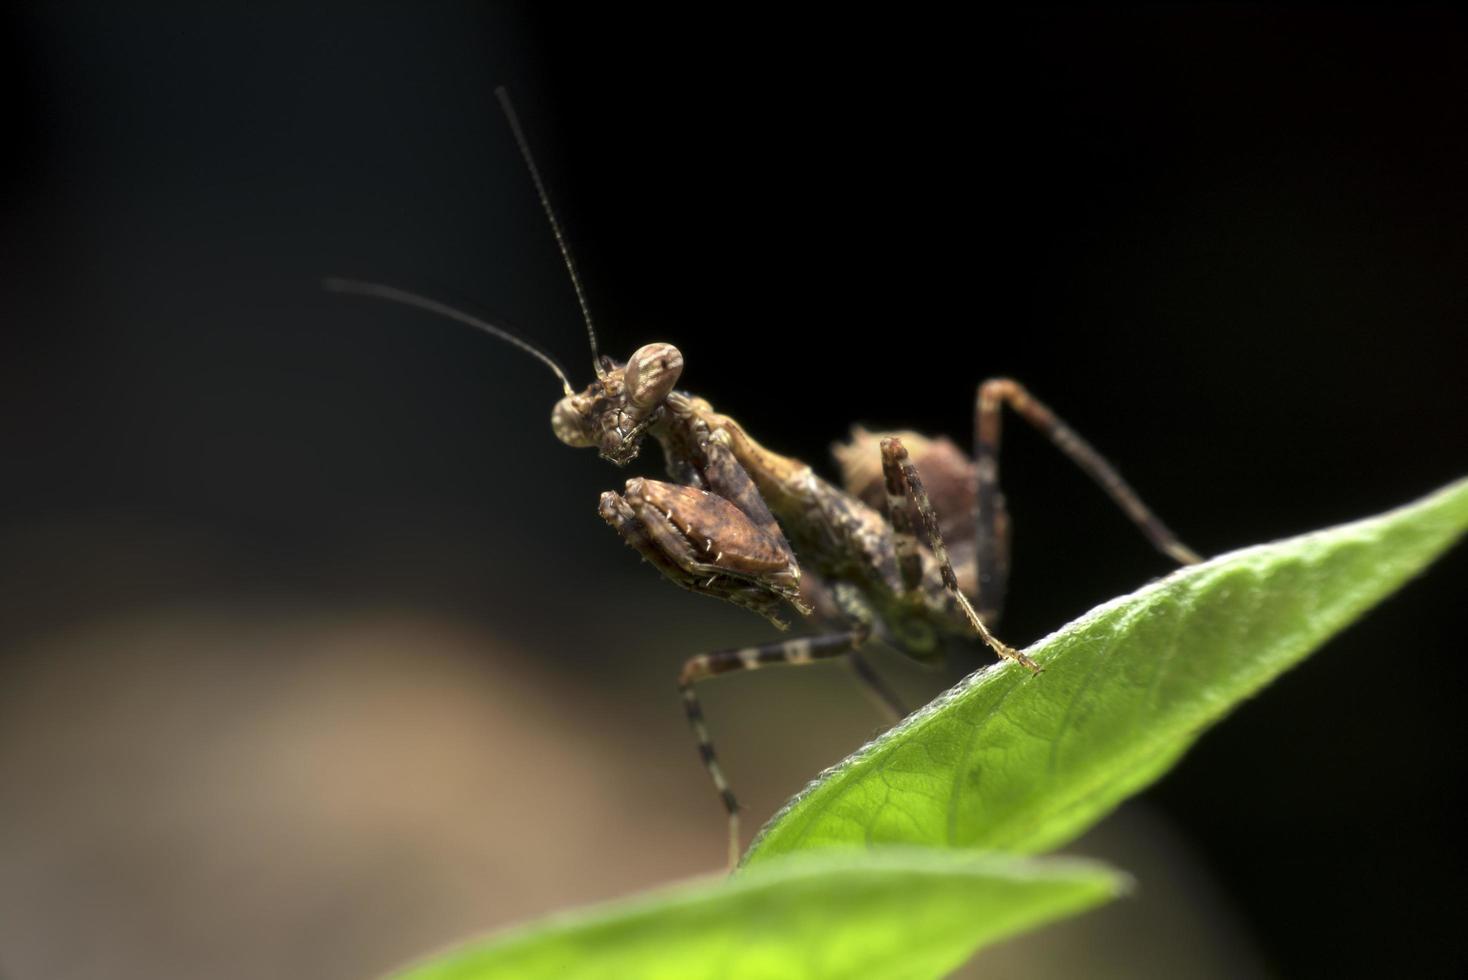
[{"x": 909, "y": 551}]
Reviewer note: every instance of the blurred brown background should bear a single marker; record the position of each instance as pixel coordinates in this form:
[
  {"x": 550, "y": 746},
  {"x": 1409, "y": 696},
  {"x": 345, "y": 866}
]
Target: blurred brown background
[{"x": 314, "y": 654}]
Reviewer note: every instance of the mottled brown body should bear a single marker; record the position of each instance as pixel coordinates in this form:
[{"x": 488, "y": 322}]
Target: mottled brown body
[{"x": 838, "y": 536}]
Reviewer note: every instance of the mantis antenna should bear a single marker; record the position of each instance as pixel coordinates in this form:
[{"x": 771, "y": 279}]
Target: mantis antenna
[
  {"x": 514, "y": 120},
  {"x": 356, "y": 288}
]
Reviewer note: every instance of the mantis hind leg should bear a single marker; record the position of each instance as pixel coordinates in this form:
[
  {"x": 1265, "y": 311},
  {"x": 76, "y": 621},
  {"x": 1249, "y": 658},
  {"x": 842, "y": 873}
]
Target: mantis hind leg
[{"x": 990, "y": 515}]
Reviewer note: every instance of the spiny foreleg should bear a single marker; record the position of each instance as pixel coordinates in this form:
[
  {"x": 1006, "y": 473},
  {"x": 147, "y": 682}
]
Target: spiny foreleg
[{"x": 703, "y": 543}]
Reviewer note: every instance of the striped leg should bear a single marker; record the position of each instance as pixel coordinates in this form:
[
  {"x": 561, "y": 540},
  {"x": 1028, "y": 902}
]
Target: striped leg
[
  {"x": 903, "y": 518},
  {"x": 899, "y": 472},
  {"x": 993, "y": 523},
  {"x": 802, "y": 650}
]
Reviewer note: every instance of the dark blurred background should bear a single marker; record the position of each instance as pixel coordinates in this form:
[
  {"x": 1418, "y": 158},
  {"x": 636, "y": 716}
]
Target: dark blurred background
[{"x": 314, "y": 653}]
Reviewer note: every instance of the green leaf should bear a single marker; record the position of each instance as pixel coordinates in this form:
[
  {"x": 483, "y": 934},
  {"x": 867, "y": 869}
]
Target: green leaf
[
  {"x": 1013, "y": 762},
  {"x": 900, "y": 913}
]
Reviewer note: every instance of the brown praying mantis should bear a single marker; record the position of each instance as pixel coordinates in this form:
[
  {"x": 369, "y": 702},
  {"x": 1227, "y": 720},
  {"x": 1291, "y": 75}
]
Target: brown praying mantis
[{"x": 910, "y": 551}]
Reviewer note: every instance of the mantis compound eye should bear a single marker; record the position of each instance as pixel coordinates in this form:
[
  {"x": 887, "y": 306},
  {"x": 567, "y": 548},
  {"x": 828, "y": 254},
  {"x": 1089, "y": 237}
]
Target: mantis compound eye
[
  {"x": 651, "y": 373},
  {"x": 568, "y": 423}
]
